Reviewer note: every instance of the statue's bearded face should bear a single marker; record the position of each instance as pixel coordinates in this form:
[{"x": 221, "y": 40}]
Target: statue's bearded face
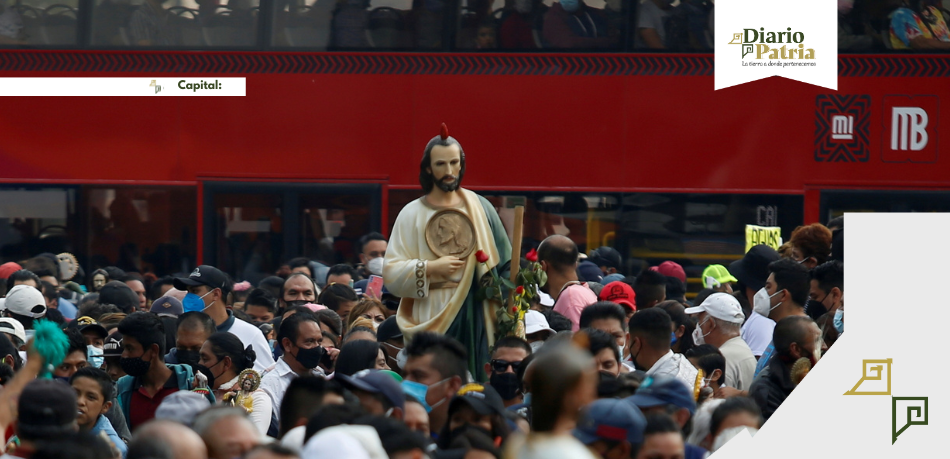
[{"x": 445, "y": 167}]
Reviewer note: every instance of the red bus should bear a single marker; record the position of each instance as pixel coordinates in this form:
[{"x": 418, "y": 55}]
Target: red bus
[{"x": 612, "y": 146}]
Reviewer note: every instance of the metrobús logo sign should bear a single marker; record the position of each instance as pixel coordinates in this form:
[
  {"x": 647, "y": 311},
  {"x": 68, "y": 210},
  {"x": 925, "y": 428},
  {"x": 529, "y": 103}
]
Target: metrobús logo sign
[{"x": 787, "y": 45}]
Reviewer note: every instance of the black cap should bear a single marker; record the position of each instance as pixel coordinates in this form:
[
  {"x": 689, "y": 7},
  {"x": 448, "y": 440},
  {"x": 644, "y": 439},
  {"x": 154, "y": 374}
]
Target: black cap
[
  {"x": 753, "y": 269},
  {"x": 388, "y": 330},
  {"x": 483, "y": 399},
  {"x": 605, "y": 256},
  {"x": 113, "y": 345},
  {"x": 46, "y": 409},
  {"x": 205, "y": 275},
  {"x": 88, "y": 323},
  {"x": 119, "y": 294}
]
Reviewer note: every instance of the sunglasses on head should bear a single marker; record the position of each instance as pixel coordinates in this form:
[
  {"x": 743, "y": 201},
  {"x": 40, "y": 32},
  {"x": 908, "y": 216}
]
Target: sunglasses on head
[{"x": 501, "y": 366}]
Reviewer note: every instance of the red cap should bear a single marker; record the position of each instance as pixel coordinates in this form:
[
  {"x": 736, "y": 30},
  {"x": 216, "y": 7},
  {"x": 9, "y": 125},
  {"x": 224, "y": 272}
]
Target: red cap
[
  {"x": 621, "y": 293},
  {"x": 671, "y": 269},
  {"x": 8, "y": 268}
]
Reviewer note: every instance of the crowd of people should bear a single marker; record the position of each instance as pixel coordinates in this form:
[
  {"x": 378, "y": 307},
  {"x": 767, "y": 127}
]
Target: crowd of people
[
  {"x": 314, "y": 365},
  {"x": 688, "y": 25}
]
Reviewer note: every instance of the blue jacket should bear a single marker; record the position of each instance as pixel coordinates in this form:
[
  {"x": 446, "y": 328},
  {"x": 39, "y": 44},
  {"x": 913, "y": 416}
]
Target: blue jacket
[
  {"x": 126, "y": 384},
  {"x": 103, "y": 425}
]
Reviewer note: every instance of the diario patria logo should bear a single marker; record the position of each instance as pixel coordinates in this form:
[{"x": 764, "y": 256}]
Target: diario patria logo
[{"x": 765, "y": 45}]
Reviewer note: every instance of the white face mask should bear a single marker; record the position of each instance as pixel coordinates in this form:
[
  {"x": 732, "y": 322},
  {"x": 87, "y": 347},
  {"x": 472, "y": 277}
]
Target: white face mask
[
  {"x": 698, "y": 336},
  {"x": 523, "y": 6},
  {"x": 762, "y": 302},
  {"x": 375, "y": 266}
]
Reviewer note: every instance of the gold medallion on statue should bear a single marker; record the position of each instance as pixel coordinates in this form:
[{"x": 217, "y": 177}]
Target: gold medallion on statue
[{"x": 450, "y": 233}]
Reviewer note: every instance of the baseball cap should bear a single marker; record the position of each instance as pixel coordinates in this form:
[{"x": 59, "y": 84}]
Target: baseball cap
[
  {"x": 620, "y": 293},
  {"x": 722, "y": 306},
  {"x": 13, "y": 327},
  {"x": 670, "y": 269},
  {"x": 88, "y": 323},
  {"x": 26, "y": 301},
  {"x": 589, "y": 272},
  {"x": 388, "y": 330},
  {"x": 167, "y": 305},
  {"x": 119, "y": 294},
  {"x": 376, "y": 382},
  {"x": 535, "y": 322},
  {"x": 182, "y": 407},
  {"x": 663, "y": 391},
  {"x": 46, "y": 409},
  {"x": 753, "y": 268},
  {"x": 481, "y": 398},
  {"x": 113, "y": 345},
  {"x": 605, "y": 256},
  {"x": 9, "y": 268},
  {"x": 204, "y": 275},
  {"x": 716, "y": 275},
  {"x": 610, "y": 419}
]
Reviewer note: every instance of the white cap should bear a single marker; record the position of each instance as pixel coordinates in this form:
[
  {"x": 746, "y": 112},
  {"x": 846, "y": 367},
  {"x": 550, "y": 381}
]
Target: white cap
[
  {"x": 13, "y": 327},
  {"x": 350, "y": 441},
  {"x": 722, "y": 306},
  {"x": 546, "y": 299},
  {"x": 26, "y": 301},
  {"x": 534, "y": 322}
]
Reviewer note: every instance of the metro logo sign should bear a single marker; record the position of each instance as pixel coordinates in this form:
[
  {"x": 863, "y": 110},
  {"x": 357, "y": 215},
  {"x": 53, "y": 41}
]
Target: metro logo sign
[{"x": 910, "y": 125}]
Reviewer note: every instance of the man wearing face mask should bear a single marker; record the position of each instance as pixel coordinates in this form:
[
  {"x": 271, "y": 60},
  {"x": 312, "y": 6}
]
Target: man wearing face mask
[
  {"x": 718, "y": 324},
  {"x": 298, "y": 290},
  {"x": 434, "y": 372},
  {"x": 299, "y": 336},
  {"x": 502, "y": 370},
  {"x": 752, "y": 271},
  {"x": 795, "y": 337},
  {"x": 650, "y": 348},
  {"x": 372, "y": 251},
  {"x": 826, "y": 296},
  {"x": 573, "y": 24},
  {"x": 148, "y": 379},
  {"x": 784, "y": 294},
  {"x": 194, "y": 328},
  {"x": 208, "y": 288}
]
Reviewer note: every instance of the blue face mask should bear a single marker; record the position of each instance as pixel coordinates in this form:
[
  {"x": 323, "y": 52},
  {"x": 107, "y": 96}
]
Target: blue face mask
[
  {"x": 94, "y": 356},
  {"x": 194, "y": 302},
  {"x": 673, "y": 338},
  {"x": 570, "y": 5},
  {"x": 419, "y": 392},
  {"x": 839, "y": 320},
  {"x": 527, "y": 398}
]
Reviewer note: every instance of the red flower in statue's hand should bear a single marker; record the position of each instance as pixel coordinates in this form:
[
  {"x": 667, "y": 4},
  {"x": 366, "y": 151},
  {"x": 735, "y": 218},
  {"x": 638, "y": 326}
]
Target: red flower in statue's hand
[
  {"x": 519, "y": 290},
  {"x": 514, "y": 309},
  {"x": 481, "y": 256},
  {"x": 532, "y": 256}
]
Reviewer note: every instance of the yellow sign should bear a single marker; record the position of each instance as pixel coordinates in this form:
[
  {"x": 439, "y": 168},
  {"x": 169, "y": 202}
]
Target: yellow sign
[{"x": 768, "y": 235}]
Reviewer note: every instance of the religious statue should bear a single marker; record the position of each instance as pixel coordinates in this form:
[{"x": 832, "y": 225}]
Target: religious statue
[
  {"x": 241, "y": 395},
  {"x": 430, "y": 261}
]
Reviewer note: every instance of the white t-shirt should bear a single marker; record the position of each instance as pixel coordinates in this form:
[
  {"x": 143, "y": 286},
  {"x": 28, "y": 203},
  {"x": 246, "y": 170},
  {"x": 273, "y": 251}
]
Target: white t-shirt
[
  {"x": 740, "y": 363},
  {"x": 252, "y": 336},
  {"x": 757, "y": 333}
]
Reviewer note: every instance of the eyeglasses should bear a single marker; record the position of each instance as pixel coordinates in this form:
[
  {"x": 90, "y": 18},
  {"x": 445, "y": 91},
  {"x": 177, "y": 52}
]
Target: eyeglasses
[{"x": 501, "y": 366}]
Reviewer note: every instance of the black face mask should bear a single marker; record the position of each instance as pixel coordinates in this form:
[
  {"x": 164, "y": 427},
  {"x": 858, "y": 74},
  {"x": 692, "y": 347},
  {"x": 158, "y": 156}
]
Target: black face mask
[
  {"x": 460, "y": 432},
  {"x": 134, "y": 366},
  {"x": 187, "y": 357},
  {"x": 506, "y": 384},
  {"x": 815, "y": 309},
  {"x": 295, "y": 303},
  {"x": 207, "y": 372},
  {"x": 310, "y": 358}
]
